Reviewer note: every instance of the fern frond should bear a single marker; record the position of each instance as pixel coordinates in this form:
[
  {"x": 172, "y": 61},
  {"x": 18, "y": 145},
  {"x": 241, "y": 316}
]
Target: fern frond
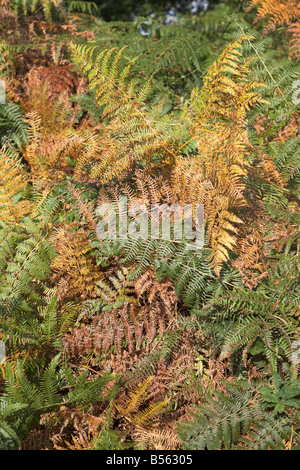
[
  {"x": 135, "y": 134},
  {"x": 13, "y": 189}
]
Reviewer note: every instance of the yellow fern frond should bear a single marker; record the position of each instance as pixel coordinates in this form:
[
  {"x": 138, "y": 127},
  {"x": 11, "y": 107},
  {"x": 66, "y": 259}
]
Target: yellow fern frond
[
  {"x": 133, "y": 133},
  {"x": 13, "y": 184}
]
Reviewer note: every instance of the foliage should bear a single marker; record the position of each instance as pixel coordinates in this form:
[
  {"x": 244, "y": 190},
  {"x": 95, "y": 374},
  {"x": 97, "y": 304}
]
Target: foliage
[
  {"x": 238, "y": 420},
  {"x": 146, "y": 343},
  {"x": 277, "y": 13}
]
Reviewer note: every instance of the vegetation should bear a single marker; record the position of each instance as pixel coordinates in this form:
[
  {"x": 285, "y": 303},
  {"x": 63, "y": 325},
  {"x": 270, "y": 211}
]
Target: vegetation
[{"x": 144, "y": 343}]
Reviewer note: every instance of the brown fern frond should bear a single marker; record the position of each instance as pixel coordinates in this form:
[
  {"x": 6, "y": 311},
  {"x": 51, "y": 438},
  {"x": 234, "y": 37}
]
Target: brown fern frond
[
  {"x": 294, "y": 31},
  {"x": 59, "y": 78},
  {"x": 69, "y": 429},
  {"x": 85, "y": 208},
  {"x": 148, "y": 309},
  {"x": 279, "y": 12},
  {"x": 250, "y": 261},
  {"x": 38, "y": 439},
  {"x": 53, "y": 114}
]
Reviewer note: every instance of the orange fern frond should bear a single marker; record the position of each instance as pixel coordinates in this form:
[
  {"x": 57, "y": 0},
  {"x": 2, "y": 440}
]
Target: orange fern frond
[
  {"x": 13, "y": 185},
  {"x": 74, "y": 269}
]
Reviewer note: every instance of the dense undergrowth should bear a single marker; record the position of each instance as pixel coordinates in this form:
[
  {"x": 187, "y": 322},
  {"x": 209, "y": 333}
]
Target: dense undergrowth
[{"x": 144, "y": 343}]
